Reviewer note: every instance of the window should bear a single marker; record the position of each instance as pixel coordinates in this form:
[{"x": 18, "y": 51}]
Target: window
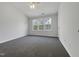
[
  {"x": 47, "y": 23},
  {"x": 43, "y": 24},
  {"x": 35, "y": 25}
]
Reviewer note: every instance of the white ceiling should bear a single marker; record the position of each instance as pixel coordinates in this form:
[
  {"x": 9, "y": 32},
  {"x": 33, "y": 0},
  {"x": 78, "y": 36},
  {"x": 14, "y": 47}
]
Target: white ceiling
[{"x": 43, "y": 7}]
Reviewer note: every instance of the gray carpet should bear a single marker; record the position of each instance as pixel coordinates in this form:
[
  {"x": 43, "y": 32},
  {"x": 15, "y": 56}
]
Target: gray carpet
[{"x": 33, "y": 46}]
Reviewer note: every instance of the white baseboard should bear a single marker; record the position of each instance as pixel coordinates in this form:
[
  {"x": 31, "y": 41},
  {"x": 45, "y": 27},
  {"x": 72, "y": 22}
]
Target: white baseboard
[{"x": 11, "y": 39}]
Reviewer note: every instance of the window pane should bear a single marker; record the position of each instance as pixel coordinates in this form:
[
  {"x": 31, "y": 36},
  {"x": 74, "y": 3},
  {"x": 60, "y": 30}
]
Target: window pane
[
  {"x": 41, "y": 27},
  {"x": 47, "y": 27},
  {"x": 35, "y": 24},
  {"x": 47, "y": 23},
  {"x": 35, "y": 27}
]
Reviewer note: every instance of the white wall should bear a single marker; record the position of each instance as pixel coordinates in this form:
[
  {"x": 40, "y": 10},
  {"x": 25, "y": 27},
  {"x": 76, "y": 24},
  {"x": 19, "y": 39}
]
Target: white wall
[
  {"x": 54, "y": 30},
  {"x": 13, "y": 24},
  {"x": 68, "y": 21}
]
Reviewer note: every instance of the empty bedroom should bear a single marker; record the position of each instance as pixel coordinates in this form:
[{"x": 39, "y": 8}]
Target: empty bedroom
[{"x": 38, "y": 29}]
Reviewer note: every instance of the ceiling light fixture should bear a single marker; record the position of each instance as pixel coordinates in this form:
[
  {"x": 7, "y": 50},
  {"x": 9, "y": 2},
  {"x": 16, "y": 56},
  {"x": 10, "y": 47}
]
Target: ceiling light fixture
[{"x": 33, "y": 5}]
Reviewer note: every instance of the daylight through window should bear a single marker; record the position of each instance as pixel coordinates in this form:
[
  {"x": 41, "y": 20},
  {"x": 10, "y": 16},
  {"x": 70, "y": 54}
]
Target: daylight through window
[{"x": 43, "y": 24}]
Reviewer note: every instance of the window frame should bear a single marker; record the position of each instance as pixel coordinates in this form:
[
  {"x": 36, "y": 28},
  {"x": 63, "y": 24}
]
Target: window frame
[
  {"x": 33, "y": 25},
  {"x": 50, "y": 24},
  {"x": 43, "y": 24}
]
